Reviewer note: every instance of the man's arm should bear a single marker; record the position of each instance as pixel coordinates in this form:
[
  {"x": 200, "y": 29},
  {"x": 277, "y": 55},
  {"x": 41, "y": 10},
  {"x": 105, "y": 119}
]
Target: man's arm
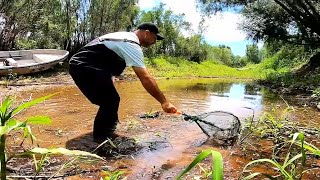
[{"x": 152, "y": 88}]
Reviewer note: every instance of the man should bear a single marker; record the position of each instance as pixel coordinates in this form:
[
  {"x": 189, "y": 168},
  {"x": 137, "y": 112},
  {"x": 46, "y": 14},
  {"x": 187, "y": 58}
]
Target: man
[{"x": 93, "y": 68}]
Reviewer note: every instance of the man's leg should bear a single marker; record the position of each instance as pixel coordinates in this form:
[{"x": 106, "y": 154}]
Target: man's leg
[
  {"x": 98, "y": 87},
  {"x": 105, "y": 121}
]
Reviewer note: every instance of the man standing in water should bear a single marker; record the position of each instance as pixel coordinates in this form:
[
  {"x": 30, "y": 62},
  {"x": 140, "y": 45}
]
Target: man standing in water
[{"x": 93, "y": 67}]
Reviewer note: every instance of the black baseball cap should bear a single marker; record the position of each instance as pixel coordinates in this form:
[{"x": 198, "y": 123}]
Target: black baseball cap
[{"x": 152, "y": 28}]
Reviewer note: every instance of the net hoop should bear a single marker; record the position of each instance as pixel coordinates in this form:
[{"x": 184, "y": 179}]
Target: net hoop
[{"x": 218, "y": 125}]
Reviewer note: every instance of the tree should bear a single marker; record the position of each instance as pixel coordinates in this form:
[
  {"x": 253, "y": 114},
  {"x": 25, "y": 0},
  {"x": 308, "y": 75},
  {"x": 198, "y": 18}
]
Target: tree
[
  {"x": 291, "y": 21},
  {"x": 252, "y": 53},
  {"x": 67, "y": 24},
  {"x": 170, "y": 26},
  {"x": 222, "y": 54},
  {"x": 18, "y": 18}
]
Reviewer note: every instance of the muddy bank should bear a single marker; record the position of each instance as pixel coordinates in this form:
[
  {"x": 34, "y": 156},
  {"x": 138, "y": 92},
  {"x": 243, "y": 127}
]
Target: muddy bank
[{"x": 294, "y": 95}]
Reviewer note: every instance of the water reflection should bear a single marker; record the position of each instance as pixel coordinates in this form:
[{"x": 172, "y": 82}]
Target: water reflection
[{"x": 239, "y": 98}]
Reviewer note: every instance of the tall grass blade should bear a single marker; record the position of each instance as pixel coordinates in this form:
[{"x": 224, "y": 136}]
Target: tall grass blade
[
  {"x": 4, "y": 107},
  {"x": 303, "y": 153},
  {"x": 292, "y": 160},
  {"x": 60, "y": 151},
  {"x": 31, "y": 103},
  {"x": 198, "y": 159},
  {"x": 276, "y": 164},
  {"x": 217, "y": 164},
  {"x": 39, "y": 120},
  {"x": 310, "y": 147},
  {"x": 304, "y": 156},
  {"x": 251, "y": 176},
  {"x": 256, "y": 174}
]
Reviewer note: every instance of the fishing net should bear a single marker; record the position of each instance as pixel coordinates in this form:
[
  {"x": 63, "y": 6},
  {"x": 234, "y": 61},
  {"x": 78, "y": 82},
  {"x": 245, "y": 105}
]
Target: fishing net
[{"x": 223, "y": 127}]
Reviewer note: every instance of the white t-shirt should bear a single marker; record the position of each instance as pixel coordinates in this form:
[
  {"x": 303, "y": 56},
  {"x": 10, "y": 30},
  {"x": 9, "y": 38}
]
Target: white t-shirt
[{"x": 129, "y": 51}]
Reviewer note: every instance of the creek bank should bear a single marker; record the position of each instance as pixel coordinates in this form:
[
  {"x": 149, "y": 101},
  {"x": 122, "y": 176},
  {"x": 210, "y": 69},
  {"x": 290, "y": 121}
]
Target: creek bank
[{"x": 295, "y": 95}]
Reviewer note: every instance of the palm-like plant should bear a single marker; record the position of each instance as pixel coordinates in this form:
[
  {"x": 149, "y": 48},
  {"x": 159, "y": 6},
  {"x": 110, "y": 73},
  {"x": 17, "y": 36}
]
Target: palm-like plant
[{"x": 8, "y": 111}]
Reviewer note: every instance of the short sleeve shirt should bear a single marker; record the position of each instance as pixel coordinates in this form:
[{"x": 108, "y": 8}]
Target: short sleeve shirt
[{"x": 129, "y": 51}]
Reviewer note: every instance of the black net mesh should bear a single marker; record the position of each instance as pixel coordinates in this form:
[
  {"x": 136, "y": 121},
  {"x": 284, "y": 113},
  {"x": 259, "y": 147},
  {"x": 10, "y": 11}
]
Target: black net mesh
[{"x": 218, "y": 125}]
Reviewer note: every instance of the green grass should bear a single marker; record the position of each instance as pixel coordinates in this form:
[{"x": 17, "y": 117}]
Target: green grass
[
  {"x": 217, "y": 164},
  {"x": 169, "y": 67},
  {"x": 288, "y": 169}
]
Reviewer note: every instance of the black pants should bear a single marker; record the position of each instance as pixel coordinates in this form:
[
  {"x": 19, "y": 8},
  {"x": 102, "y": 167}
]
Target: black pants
[{"x": 98, "y": 87}]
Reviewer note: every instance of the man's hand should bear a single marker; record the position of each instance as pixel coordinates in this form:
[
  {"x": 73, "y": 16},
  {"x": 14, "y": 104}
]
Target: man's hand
[{"x": 169, "y": 108}]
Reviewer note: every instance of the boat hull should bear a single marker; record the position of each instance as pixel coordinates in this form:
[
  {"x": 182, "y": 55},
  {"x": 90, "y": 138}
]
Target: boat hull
[{"x": 30, "y": 61}]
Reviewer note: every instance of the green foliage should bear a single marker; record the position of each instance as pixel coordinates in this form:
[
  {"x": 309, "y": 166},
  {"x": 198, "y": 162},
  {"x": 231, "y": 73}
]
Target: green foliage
[
  {"x": 61, "y": 24},
  {"x": 289, "y": 56},
  {"x": 192, "y": 48},
  {"x": 112, "y": 175},
  {"x": 288, "y": 169},
  {"x": 221, "y": 54},
  {"x": 176, "y": 67},
  {"x": 316, "y": 93},
  {"x": 253, "y": 53},
  {"x": 24, "y": 43},
  {"x": 271, "y": 124},
  {"x": 276, "y": 127},
  {"x": 310, "y": 148},
  {"x": 7, "y": 113},
  {"x": 281, "y": 20},
  {"x": 108, "y": 16},
  {"x": 286, "y": 27},
  {"x": 217, "y": 164},
  {"x": 174, "y": 44}
]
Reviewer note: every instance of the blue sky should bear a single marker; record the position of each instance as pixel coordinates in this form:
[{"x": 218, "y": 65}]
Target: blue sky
[{"x": 221, "y": 28}]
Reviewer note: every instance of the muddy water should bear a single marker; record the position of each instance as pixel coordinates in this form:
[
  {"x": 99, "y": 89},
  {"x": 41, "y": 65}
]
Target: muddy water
[{"x": 168, "y": 143}]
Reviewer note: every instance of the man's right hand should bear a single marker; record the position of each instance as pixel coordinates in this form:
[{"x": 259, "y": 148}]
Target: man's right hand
[{"x": 169, "y": 108}]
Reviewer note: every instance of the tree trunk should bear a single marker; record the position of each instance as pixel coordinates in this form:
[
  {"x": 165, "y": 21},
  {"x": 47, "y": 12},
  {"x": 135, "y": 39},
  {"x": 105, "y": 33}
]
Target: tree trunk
[{"x": 312, "y": 65}]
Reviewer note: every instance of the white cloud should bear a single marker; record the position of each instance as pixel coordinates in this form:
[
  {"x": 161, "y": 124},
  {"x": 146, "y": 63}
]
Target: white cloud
[
  {"x": 186, "y": 7},
  {"x": 221, "y": 27},
  {"x": 146, "y": 4}
]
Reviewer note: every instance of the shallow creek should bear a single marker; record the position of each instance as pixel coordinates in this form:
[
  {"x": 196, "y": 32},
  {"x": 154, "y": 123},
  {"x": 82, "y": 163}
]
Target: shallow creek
[{"x": 169, "y": 143}]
